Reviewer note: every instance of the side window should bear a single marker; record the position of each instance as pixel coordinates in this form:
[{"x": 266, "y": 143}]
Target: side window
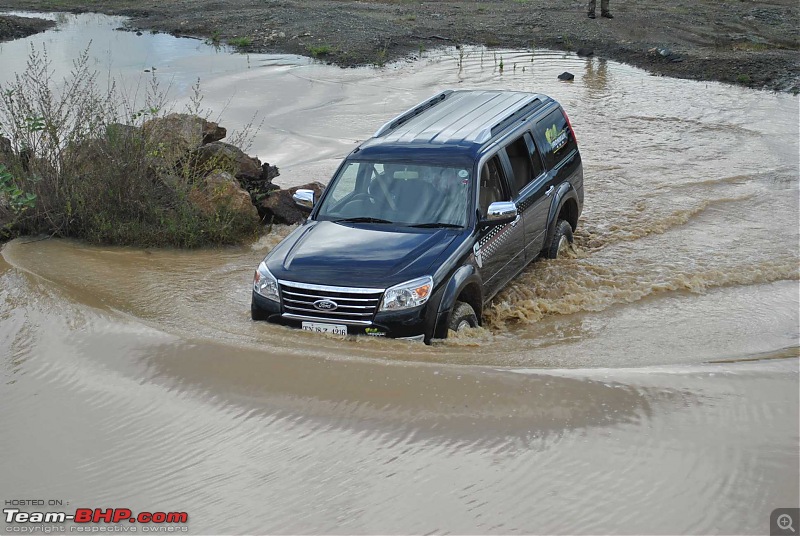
[
  {"x": 536, "y": 158},
  {"x": 519, "y": 157},
  {"x": 492, "y": 187},
  {"x": 559, "y": 139}
]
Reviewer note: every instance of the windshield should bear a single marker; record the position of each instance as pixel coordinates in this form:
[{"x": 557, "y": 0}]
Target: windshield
[{"x": 405, "y": 194}]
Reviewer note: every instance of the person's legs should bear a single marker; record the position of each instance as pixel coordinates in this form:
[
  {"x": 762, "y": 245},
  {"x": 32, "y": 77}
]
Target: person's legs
[
  {"x": 592, "y": 4},
  {"x": 604, "y": 12}
]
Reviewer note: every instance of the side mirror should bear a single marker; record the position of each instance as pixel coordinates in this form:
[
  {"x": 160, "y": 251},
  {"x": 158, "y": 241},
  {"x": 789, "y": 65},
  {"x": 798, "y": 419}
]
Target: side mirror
[
  {"x": 304, "y": 199},
  {"x": 500, "y": 212}
]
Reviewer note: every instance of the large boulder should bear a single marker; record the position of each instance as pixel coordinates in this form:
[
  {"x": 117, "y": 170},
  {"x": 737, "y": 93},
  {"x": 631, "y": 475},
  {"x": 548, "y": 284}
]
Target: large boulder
[
  {"x": 181, "y": 130},
  {"x": 220, "y": 190},
  {"x": 174, "y": 135},
  {"x": 279, "y": 207},
  {"x": 225, "y": 157}
]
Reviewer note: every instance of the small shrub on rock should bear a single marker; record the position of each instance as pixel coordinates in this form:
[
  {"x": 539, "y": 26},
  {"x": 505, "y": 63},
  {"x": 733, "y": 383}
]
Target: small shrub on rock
[{"x": 84, "y": 162}]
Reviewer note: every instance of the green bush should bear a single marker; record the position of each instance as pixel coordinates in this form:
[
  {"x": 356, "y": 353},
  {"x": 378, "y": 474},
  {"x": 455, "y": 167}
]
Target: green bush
[
  {"x": 79, "y": 165},
  {"x": 319, "y": 50},
  {"x": 240, "y": 42}
]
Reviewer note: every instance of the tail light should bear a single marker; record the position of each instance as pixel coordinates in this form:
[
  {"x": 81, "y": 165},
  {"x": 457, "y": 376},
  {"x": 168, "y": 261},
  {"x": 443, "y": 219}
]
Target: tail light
[{"x": 569, "y": 124}]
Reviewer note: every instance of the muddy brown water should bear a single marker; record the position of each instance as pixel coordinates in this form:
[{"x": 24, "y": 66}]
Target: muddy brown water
[{"x": 648, "y": 384}]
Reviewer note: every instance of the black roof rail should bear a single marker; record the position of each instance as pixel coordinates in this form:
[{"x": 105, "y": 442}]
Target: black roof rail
[
  {"x": 489, "y": 132},
  {"x": 413, "y": 112},
  {"x": 518, "y": 115}
]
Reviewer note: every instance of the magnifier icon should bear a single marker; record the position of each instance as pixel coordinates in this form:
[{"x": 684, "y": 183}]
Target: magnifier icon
[{"x": 785, "y": 522}]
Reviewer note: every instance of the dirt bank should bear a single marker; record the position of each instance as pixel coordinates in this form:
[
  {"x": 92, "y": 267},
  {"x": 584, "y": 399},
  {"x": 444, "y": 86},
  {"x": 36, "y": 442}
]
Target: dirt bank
[
  {"x": 743, "y": 42},
  {"x": 16, "y": 27}
]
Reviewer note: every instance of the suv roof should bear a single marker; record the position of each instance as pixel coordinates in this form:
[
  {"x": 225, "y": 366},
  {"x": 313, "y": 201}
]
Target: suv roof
[{"x": 464, "y": 119}]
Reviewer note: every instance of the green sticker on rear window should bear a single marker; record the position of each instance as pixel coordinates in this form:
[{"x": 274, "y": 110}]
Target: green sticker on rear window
[{"x": 556, "y": 139}]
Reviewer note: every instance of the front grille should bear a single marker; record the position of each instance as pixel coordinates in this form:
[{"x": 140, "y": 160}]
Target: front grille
[{"x": 355, "y": 306}]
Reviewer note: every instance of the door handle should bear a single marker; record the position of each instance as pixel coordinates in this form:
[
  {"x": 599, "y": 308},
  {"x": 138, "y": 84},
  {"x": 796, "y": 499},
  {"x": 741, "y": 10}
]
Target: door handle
[{"x": 550, "y": 190}]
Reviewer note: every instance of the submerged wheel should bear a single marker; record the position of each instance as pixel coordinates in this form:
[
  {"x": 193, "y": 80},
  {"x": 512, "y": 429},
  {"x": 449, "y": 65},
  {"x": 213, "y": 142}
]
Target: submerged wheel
[
  {"x": 256, "y": 312},
  {"x": 562, "y": 239},
  {"x": 462, "y": 317}
]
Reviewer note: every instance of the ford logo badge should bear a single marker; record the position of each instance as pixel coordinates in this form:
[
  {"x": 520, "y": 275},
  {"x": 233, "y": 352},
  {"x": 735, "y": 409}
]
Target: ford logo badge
[{"x": 326, "y": 305}]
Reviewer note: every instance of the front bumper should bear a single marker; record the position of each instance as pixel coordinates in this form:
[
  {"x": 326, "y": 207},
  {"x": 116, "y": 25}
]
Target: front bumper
[{"x": 415, "y": 324}]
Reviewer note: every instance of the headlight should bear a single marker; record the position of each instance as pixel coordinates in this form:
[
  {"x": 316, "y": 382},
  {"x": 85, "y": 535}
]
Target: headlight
[
  {"x": 265, "y": 283},
  {"x": 408, "y": 294}
]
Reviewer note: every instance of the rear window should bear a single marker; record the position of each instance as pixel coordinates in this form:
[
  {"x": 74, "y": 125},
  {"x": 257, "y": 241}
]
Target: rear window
[{"x": 559, "y": 141}]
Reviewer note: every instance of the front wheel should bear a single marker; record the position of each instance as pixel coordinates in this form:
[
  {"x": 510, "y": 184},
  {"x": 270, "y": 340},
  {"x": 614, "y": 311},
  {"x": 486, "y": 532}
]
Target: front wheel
[
  {"x": 562, "y": 239},
  {"x": 463, "y": 317}
]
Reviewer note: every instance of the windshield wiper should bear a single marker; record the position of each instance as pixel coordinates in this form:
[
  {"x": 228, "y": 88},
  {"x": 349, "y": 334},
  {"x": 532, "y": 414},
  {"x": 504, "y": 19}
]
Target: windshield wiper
[
  {"x": 437, "y": 224},
  {"x": 362, "y": 219}
]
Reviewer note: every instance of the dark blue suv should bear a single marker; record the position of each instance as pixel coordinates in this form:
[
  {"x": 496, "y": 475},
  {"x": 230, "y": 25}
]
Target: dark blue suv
[{"x": 426, "y": 221}]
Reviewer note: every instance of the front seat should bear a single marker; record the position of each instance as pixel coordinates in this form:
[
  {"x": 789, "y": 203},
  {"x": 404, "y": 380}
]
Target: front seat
[
  {"x": 414, "y": 199},
  {"x": 491, "y": 190}
]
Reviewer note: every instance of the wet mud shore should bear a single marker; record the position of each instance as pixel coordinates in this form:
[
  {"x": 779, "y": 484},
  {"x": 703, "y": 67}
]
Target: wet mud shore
[
  {"x": 12, "y": 27},
  {"x": 753, "y": 44}
]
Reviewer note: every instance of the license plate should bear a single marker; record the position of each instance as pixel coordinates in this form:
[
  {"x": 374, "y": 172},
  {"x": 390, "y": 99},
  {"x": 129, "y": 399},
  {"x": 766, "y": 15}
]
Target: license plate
[{"x": 336, "y": 329}]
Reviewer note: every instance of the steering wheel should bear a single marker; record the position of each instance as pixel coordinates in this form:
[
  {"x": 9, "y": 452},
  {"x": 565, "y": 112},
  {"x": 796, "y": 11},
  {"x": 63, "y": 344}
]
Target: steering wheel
[{"x": 357, "y": 197}]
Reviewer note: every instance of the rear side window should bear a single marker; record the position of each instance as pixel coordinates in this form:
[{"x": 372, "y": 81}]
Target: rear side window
[
  {"x": 559, "y": 141},
  {"x": 520, "y": 159}
]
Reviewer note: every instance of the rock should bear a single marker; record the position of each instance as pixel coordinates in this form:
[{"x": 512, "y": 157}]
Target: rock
[
  {"x": 213, "y": 132},
  {"x": 120, "y": 132},
  {"x": 259, "y": 189},
  {"x": 177, "y": 134},
  {"x": 223, "y": 156},
  {"x": 269, "y": 172},
  {"x": 179, "y": 129},
  {"x": 585, "y": 52},
  {"x": 566, "y": 76},
  {"x": 174, "y": 136},
  {"x": 279, "y": 207},
  {"x": 85, "y": 156},
  {"x": 664, "y": 54},
  {"x": 220, "y": 190}
]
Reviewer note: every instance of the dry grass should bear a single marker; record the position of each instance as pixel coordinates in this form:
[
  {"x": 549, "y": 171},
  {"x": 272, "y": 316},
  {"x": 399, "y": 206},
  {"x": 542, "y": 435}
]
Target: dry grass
[{"x": 79, "y": 166}]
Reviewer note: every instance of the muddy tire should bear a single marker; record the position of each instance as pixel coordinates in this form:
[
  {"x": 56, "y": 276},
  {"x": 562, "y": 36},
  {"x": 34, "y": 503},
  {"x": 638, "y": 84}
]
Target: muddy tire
[
  {"x": 562, "y": 239},
  {"x": 462, "y": 317},
  {"x": 257, "y": 313}
]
